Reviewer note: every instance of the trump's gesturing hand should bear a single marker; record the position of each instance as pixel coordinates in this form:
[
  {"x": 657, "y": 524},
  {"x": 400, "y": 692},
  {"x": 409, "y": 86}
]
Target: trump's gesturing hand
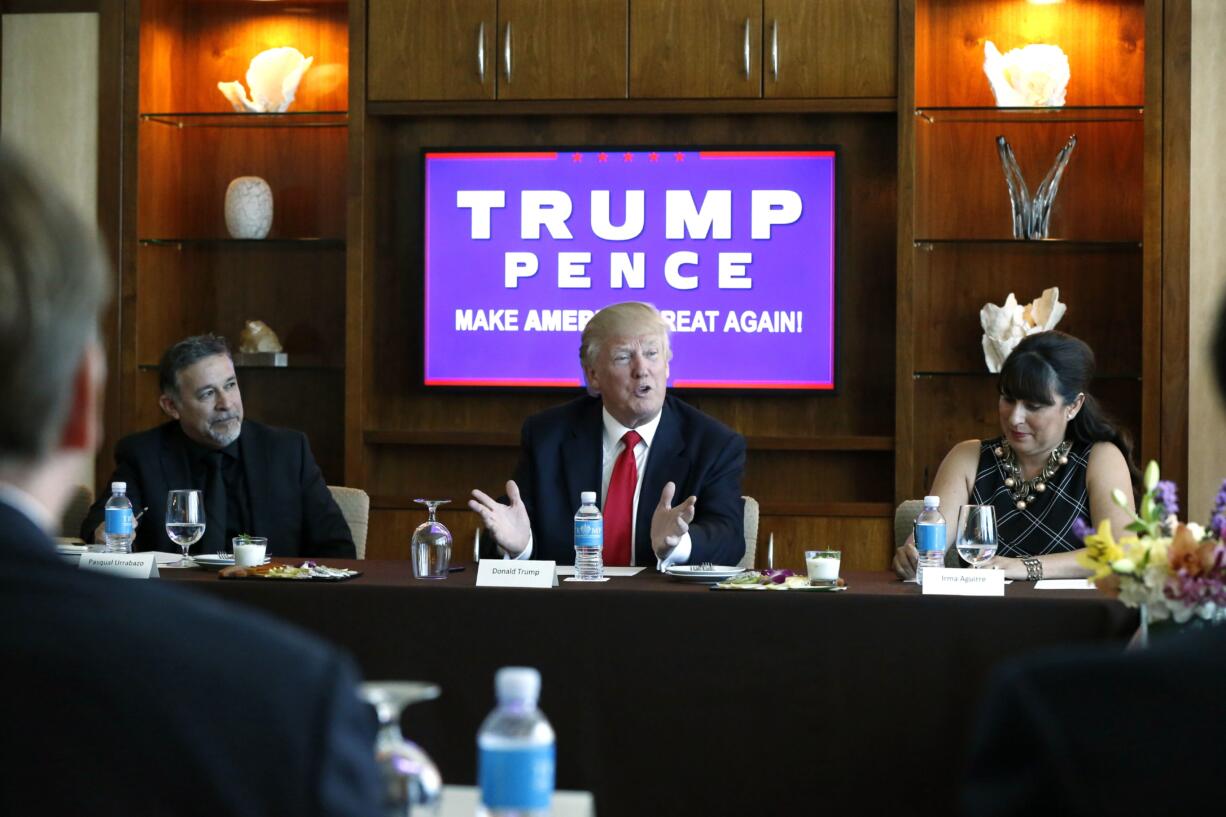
[
  {"x": 508, "y": 523},
  {"x": 669, "y": 524}
]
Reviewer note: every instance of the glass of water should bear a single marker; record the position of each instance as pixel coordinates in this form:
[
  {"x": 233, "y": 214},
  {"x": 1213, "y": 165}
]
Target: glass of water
[
  {"x": 185, "y": 522},
  {"x": 431, "y": 544},
  {"x": 976, "y": 539}
]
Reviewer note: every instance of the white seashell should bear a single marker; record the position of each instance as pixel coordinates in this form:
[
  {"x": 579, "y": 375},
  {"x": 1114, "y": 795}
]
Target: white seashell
[
  {"x": 248, "y": 207},
  {"x": 1035, "y": 76},
  {"x": 1005, "y": 326},
  {"x": 273, "y": 78}
]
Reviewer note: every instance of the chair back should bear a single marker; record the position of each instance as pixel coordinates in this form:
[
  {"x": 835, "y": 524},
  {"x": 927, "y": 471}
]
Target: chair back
[
  {"x": 75, "y": 512},
  {"x": 751, "y": 532},
  {"x": 355, "y": 507},
  {"x": 904, "y": 520}
]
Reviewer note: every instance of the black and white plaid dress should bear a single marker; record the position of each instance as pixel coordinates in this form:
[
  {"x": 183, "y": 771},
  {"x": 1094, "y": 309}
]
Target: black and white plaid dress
[{"x": 1046, "y": 525}]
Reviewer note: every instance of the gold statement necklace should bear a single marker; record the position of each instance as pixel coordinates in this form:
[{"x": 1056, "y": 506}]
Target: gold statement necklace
[{"x": 1023, "y": 490}]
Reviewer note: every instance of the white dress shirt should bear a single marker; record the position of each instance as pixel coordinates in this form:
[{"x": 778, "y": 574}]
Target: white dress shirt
[{"x": 611, "y": 449}]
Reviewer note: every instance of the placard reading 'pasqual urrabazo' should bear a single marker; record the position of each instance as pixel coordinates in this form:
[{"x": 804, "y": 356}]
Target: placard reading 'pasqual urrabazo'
[{"x": 736, "y": 248}]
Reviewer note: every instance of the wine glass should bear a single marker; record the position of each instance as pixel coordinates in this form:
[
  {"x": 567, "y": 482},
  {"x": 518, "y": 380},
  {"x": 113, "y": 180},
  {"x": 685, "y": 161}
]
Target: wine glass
[
  {"x": 411, "y": 780},
  {"x": 976, "y": 539},
  {"x": 431, "y": 544},
  {"x": 185, "y": 521}
]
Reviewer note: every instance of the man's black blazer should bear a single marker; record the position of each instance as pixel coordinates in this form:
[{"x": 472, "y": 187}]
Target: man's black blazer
[
  {"x": 290, "y": 502},
  {"x": 1102, "y": 731},
  {"x": 126, "y": 697},
  {"x": 560, "y": 453}
]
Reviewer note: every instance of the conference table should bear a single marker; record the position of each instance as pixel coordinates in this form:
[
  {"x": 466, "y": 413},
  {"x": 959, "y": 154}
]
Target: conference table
[{"x": 672, "y": 698}]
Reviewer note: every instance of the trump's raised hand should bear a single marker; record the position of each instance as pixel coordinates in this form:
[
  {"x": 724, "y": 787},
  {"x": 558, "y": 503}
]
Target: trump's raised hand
[
  {"x": 669, "y": 523},
  {"x": 508, "y": 524}
]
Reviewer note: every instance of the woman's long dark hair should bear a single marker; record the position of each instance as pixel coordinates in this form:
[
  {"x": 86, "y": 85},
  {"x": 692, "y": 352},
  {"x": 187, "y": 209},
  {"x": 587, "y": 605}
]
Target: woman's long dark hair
[{"x": 1048, "y": 364}]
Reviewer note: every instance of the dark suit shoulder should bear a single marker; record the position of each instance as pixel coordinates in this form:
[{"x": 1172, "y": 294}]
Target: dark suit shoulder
[
  {"x": 697, "y": 423},
  {"x": 272, "y": 435},
  {"x": 564, "y": 416},
  {"x": 143, "y": 442}
]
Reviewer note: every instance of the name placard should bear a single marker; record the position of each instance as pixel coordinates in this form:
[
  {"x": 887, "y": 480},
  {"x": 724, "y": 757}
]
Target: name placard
[
  {"x": 962, "y": 581},
  {"x": 126, "y": 565},
  {"x": 510, "y": 573}
]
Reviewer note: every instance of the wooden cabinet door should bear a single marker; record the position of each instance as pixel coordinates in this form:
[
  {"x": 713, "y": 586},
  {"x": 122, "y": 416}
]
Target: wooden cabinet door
[
  {"x": 562, "y": 49},
  {"x": 830, "y": 48},
  {"x": 695, "y": 48},
  {"x": 430, "y": 49}
]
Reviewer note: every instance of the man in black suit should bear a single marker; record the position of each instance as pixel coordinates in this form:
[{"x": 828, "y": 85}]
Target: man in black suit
[
  {"x": 1094, "y": 732},
  {"x": 120, "y": 696},
  {"x": 256, "y": 479},
  {"x": 636, "y": 449}
]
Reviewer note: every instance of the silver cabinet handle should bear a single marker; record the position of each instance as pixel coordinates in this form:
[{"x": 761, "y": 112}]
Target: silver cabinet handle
[
  {"x": 746, "y": 48},
  {"x": 506, "y": 51},
  {"x": 775, "y": 50},
  {"x": 481, "y": 52}
]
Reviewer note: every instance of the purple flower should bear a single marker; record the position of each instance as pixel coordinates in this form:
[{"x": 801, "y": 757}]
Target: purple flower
[
  {"x": 1081, "y": 528},
  {"x": 1167, "y": 496},
  {"x": 1217, "y": 524}
]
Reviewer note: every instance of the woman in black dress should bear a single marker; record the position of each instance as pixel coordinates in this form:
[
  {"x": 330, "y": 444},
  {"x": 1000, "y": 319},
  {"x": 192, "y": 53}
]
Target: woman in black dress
[{"x": 1058, "y": 459}]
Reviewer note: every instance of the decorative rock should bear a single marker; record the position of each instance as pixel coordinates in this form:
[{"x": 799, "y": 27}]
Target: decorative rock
[{"x": 248, "y": 207}]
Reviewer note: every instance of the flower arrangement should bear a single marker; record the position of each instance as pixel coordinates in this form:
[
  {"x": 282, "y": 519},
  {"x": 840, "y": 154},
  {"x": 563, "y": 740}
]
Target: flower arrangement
[{"x": 1173, "y": 569}]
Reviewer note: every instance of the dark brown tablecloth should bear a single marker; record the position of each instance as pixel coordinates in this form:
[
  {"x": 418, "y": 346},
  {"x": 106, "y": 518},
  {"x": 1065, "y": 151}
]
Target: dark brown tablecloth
[{"x": 669, "y": 698}]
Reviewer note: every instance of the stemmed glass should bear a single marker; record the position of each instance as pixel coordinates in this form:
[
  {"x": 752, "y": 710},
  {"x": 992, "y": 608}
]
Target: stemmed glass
[
  {"x": 411, "y": 780},
  {"x": 185, "y": 521},
  {"x": 976, "y": 539},
  {"x": 431, "y": 544}
]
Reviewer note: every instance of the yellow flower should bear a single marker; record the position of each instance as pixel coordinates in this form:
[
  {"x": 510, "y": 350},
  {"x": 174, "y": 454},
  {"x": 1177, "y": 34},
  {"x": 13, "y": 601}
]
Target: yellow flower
[{"x": 1101, "y": 551}]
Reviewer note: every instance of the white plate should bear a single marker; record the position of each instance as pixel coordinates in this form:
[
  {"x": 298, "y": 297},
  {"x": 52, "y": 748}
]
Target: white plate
[
  {"x": 695, "y": 573},
  {"x": 212, "y": 560}
]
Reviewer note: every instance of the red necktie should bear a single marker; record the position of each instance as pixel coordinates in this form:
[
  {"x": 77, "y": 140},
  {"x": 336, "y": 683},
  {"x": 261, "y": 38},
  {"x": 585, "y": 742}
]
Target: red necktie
[{"x": 619, "y": 504}]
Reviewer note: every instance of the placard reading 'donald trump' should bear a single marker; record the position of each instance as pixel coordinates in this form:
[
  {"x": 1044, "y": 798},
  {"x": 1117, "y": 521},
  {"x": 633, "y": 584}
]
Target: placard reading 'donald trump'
[{"x": 736, "y": 248}]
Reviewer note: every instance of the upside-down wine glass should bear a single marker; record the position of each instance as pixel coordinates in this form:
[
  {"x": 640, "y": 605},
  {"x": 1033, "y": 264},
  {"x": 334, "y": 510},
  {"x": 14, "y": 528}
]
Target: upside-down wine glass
[
  {"x": 431, "y": 545},
  {"x": 185, "y": 521}
]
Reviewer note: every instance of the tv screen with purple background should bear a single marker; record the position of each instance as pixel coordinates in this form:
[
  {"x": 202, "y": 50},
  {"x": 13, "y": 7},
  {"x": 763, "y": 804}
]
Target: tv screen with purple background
[{"x": 735, "y": 247}]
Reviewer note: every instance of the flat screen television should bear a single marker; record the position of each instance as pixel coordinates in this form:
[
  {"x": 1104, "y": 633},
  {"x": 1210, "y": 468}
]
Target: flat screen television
[{"x": 735, "y": 247}]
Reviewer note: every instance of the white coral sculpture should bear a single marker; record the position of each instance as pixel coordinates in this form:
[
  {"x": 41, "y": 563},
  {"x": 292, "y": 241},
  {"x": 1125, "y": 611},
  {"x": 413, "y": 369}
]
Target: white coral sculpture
[
  {"x": 273, "y": 78},
  {"x": 1005, "y": 326},
  {"x": 1035, "y": 76}
]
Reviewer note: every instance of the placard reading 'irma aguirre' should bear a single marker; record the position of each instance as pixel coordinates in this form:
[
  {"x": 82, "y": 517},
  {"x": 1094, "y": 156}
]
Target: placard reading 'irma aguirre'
[{"x": 735, "y": 247}]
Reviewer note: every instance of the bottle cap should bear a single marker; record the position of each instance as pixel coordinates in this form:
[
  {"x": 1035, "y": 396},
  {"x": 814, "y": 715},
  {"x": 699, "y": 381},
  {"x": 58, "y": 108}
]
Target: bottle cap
[
  {"x": 518, "y": 684},
  {"x": 119, "y": 487},
  {"x": 932, "y": 502},
  {"x": 587, "y": 498}
]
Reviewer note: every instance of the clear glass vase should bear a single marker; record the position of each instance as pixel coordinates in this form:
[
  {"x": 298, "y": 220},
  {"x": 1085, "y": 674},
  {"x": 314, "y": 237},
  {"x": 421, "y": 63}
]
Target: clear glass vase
[
  {"x": 1032, "y": 216},
  {"x": 411, "y": 781}
]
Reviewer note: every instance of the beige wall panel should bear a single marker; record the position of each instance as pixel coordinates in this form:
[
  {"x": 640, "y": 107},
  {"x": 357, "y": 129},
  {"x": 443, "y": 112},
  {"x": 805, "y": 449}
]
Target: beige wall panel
[{"x": 1207, "y": 273}]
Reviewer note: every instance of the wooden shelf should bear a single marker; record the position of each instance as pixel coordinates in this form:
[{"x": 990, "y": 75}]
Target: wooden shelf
[
  {"x": 311, "y": 243},
  {"x": 507, "y": 439},
  {"x": 289, "y": 119},
  {"x": 613, "y": 107},
  {"x": 292, "y": 363},
  {"x": 1124, "y": 376},
  {"x": 1053, "y": 244},
  {"x": 1111, "y": 113}
]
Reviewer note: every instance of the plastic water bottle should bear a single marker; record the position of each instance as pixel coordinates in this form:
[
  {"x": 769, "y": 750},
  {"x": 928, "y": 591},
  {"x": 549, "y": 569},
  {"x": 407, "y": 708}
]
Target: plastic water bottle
[
  {"x": 118, "y": 531},
  {"x": 930, "y": 536},
  {"x": 515, "y": 749},
  {"x": 589, "y": 539}
]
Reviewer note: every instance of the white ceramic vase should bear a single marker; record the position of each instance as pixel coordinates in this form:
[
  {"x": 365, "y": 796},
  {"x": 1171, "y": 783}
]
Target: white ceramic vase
[{"x": 248, "y": 207}]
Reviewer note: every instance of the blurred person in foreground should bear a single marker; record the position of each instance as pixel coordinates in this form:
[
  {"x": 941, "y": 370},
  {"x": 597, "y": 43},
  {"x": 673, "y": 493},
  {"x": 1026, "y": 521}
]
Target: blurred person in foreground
[
  {"x": 1099, "y": 731},
  {"x": 121, "y": 696},
  {"x": 638, "y": 447},
  {"x": 256, "y": 479},
  {"x": 1055, "y": 465}
]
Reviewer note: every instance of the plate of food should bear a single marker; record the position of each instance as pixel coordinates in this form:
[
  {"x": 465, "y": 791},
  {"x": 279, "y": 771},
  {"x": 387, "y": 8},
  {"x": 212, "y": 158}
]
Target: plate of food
[
  {"x": 308, "y": 571},
  {"x": 781, "y": 579}
]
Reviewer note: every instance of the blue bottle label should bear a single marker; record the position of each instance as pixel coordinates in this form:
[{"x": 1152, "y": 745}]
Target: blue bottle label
[
  {"x": 119, "y": 520},
  {"x": 589, "y": 533},
  {"x": 930, "y": 536},
  {"x": 520, "y": 778}
]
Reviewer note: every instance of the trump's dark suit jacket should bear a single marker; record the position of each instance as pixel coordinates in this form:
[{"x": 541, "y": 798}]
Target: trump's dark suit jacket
[
  {"x": 1102, "y": 731},
  {"x": 289, "y": 501},
  {"x": 560, "y": 454},
  {"x": 126, "y": 697}
]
